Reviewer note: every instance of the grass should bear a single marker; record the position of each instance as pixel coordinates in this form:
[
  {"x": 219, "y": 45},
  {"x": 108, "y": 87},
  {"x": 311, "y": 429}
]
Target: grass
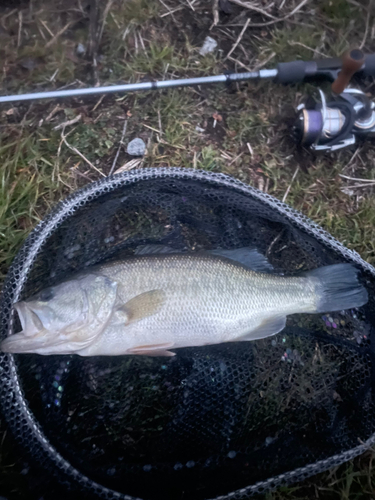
[{"x": 242, "y": 131}]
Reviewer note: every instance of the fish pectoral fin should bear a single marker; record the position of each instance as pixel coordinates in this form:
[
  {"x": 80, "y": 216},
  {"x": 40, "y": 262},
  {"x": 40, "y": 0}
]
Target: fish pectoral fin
[
  {"x": 152, "y": 350},
  {"x": 143, "y": 305},
  {"x": 267, "y": 328}
]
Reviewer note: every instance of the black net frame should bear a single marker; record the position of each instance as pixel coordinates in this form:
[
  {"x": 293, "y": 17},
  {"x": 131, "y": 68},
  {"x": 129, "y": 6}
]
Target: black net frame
[{"x": 25, "y": 275}]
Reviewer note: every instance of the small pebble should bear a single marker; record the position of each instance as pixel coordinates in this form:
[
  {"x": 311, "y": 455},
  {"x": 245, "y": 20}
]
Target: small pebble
[
  {"x": 136, "y": 147},
  {"x": 209, "y": 45},
  {"x": 81, "y": 49},
  {"x": 232, "y": 454}
]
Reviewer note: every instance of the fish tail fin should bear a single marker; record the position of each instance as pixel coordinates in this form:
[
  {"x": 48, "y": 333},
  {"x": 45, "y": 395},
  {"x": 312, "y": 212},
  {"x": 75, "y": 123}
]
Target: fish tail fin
[{"x": 338, "y": 288}]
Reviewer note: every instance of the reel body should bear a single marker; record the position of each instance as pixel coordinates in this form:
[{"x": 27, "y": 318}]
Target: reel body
[{"x": 323, "y": 126}]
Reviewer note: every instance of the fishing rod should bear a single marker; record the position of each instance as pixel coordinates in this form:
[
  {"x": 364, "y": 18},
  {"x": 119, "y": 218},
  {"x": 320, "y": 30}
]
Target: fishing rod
[
  {"x": 320, "y": 127},
  {"x": 285, "y": 73}
]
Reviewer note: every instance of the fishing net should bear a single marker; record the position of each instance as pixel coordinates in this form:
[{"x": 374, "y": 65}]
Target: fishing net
[{"x": 223, "y": 421}]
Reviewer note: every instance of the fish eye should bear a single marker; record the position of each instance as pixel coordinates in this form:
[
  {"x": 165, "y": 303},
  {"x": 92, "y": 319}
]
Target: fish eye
[{"x": 46, "y": 295}]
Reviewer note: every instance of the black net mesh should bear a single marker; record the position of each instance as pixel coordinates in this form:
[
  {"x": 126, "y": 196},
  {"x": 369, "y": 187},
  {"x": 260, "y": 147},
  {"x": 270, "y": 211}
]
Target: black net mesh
[{"x": 218, "y": 421}]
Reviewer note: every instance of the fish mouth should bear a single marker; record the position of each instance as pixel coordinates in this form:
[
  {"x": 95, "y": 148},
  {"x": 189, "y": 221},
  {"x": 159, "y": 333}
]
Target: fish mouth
[
  {"x": 46, "y": 344},
  {"x": 30, "y": 321},
  {"x": 35, "y": 338},
  {"x": 33, "y": 335}
]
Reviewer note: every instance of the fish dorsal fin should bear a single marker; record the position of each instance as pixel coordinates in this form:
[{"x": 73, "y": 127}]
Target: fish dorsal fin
[
  {"x": 267, "y": 328},
  {"x": 152, "y": 350},
  {"x": 154, "y": 250},
  {"x": 143, "y": 305},
  {"x": 249, "y": 257}
]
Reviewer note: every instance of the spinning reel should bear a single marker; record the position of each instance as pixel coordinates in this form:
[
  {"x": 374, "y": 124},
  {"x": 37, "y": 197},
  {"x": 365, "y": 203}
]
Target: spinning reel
[{"x": 323, "y": 126}]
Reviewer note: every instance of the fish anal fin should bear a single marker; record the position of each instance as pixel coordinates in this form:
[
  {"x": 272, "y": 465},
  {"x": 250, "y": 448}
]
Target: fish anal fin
[
  {"x": 143, "y": 305},
  {"x": 267, "y": 328},
  {"x": 152, "y": 350}
]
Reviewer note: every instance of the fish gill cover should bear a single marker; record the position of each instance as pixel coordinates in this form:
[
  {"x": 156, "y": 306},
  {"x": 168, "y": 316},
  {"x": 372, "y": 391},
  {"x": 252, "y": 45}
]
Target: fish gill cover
[{"x": 213, "y": 420}]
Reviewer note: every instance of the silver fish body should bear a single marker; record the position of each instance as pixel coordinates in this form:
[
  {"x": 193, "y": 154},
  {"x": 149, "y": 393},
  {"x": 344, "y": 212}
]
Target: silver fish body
[{"x": 152, "y": 303}]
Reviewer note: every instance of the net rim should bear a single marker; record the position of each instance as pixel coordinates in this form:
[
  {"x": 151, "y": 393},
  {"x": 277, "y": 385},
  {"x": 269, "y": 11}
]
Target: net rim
[{"x": 11, "y": 394}]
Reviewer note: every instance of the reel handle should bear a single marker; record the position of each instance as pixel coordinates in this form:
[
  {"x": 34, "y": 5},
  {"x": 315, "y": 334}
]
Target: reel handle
[{"x": 351, "y": 63}]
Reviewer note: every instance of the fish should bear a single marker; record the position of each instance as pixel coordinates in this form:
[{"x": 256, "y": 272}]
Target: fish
[{"x": 158, "y": 300}]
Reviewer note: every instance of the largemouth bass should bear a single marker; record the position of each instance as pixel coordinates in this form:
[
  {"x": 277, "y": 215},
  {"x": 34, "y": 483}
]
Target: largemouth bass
[{"x": 149, "y": 304}]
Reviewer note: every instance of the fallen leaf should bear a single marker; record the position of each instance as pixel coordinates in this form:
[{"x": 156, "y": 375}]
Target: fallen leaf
[{"x": 217, "y": 117}]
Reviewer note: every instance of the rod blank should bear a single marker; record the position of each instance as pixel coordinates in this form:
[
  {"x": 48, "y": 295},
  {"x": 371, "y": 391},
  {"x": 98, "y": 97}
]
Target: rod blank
[{"x": 132, "y": 87}]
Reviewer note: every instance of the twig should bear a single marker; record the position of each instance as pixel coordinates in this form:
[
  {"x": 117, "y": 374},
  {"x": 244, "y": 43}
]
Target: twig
[
  {"x": 5, "y": 16},
  {"x": 215, "y": 12},
  {"x": 52, "y": 79},
  {"x": 75, "y": 150},
  {"x": 59, "y": 33},
  {"x": 55, "y": 110},
  {"x": 47, "y": 28},
  {"x": 191, "y": 5},
  {"x": 356, "y": 179},
  {"x": 152, "y": 128},
  {"x": 280, "y": 19},
  {"x": 307, "y": 47},
  {"x": 104, "y": 18},
  {"x": 240, "y": 63},
  {"x": 251, "y": 6},
  {"x": 250, "y": 149},
  {"x": 234, "y": 159},
  {"x": 171, "y": 11},
  {"x": 98, "y": 103},
  {"x": 129, "y": 165},
  {"x": 69, "y": 122},
  {"x": 265, "y": 61},
  {"x": 119, "y": 147},
  {"x": 274, "y": 241},
  {"x": 19, "y": 28},
  {"x": 238, "y": 39},
  {"x": 359, "y": 185},
  {"x": 159, "y": 120},
  {"x": 356, "y": 152},
  {"x": 367, "y": 24},
  {"x": 290, "y": 185}
]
